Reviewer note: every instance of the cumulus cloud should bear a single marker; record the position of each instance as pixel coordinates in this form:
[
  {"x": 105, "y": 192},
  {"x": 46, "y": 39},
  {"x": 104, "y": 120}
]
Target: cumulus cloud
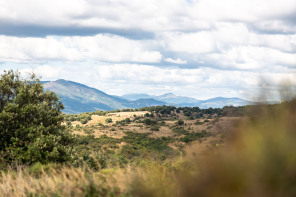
[
  {"x": 219, "y": 45},
  {"x": 150, "y": 15},
  {"x": 201, "y": 42},
  {"x": 175, "y": 61},
  {"x": 108, "y": 48},
  {"x": 233, "y": 46}
]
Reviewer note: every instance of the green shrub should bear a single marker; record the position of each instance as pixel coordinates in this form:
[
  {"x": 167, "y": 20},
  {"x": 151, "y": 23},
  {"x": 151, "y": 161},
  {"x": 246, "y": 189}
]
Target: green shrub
[
  {"x": 83, "y": 121},
  {"x": 108, "y": 120},
  {"x": 30, "y": 122},
  {"x": 36, "y": 168},
  {"x": 187, "y": 113},
  {"x": 180, "y": 122},
  {"x": 154, "y": 128},
  {"x": 127, "y": 120},
  {"x": 148, "y": 121},
  {"x": 141, "y": 141},
  {"x": 179, "y": 130},
  {"x": 198, "y": 122},
  {"x": 189, "y": 137}
]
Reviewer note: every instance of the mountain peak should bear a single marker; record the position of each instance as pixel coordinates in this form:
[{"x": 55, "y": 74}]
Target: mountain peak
[
  {"x": 60, "y": 80},
  {"x": 168, "y": 94},
  {"x": 78, "y": 98}
]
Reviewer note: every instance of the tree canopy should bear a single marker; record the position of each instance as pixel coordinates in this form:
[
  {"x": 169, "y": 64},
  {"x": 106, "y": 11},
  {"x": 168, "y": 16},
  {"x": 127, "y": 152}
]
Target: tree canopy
[{"x": 31, "y": 119}]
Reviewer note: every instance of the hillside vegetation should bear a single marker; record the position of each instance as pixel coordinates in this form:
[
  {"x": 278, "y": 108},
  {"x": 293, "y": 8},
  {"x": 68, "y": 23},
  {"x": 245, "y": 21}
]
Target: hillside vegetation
[{"x": 151, "y": 151}]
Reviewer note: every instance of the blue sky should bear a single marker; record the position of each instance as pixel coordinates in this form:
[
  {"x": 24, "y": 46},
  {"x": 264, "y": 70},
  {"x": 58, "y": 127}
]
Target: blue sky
[{"x": 197, "y": 48}]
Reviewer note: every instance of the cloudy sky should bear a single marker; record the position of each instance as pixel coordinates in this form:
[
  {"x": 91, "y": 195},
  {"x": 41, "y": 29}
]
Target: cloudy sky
[{"x": 197, "y": 48}]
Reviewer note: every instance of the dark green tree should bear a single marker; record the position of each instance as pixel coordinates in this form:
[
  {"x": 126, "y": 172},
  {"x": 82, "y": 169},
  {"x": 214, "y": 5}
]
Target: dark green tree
[
  {"x": 180, "y": 122},
  {"x": 31, "y": 127}
]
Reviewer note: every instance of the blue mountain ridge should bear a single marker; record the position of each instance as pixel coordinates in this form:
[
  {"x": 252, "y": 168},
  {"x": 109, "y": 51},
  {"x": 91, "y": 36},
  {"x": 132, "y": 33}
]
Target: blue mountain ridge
[{"x": 78, "y": 98}]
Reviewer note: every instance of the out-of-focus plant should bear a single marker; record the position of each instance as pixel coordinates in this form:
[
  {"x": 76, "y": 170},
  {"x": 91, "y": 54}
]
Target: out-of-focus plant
[{"x": 259, "y": 159}]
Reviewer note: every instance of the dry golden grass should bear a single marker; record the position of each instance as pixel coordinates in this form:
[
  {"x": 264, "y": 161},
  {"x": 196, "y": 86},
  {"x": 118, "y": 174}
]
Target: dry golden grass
[
  {"x": 163, "y": 132},
  {"x": 128, "y": 114},
  {"x": 118, "y": 116},
  {"x": 70, "y": 181},
  {"x": 197, "y": 149}
]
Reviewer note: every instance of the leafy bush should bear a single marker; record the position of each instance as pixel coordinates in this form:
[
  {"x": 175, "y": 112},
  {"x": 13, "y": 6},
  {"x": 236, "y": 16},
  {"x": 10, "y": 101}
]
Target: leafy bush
[
  {"x": 141, "y": 141},
  {"x": 180, "y": 122},
  {"x": 127, "y": 120},
  {"x": 187, "y": 113},
  {"x": 108, "y": 120},
  {"x": 154, "y": 128},
  {"x": 148, "y": 121},
  {"x": 189, "y": 137},
  {"x": 30, "y": 122},
  {"x": 83, "y": 121},
  {"x": 198, "y": 122},
  {"x": 83, "y": 117},
  {"x": 179, "y": 130}
]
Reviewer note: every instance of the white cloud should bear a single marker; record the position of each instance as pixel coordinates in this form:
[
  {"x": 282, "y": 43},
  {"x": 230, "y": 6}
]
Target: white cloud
[
  {"x": 252, "y": 57},
  {"x": 175, "y": 61},
  {"x": 150, "y": 15},
  {"x": 233, "y": 46},
  {"x": 227, "y": 44},
  {"x": 14, "y": 49},
  {"x": 46, "y": 13},
  {"x": 100, "y": 47},
  {"x": 201, "y": 42},
  {"x": 115, "y": 49},
  {"x": 242, "y": 10}
]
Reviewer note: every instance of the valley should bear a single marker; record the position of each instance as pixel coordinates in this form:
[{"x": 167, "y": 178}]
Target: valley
[{"x": 156, "y": 133}]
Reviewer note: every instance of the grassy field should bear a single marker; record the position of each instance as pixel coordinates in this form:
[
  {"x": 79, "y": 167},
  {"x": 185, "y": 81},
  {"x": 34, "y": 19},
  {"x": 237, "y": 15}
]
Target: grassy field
[{"x": 170, "y": 152}]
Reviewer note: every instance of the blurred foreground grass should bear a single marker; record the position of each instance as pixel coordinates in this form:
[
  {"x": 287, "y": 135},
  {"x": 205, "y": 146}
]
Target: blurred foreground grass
[{"x": 257, "y": 159}]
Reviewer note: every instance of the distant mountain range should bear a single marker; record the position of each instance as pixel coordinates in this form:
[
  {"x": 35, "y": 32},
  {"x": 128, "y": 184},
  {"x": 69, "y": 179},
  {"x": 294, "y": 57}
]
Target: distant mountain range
[
  {"x": 180, "y": 101},
  {"x": 78, "y": 98},
  {"x": 169, "y": 98}
]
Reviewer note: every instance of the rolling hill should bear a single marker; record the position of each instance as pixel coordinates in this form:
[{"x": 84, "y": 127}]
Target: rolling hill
[{"x": 78, "y": 98}]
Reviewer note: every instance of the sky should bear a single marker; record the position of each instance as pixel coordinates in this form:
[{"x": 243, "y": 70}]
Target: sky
[{"x": 196, "y": 48}]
